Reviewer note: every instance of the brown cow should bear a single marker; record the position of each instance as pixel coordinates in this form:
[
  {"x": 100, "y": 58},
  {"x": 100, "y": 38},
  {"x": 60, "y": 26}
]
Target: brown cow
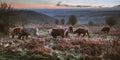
[
  {"x": 23, "y": 32},
  {"x": 15, "y": 31},
  {"x": 28, "y": 31},
  {"x": 58, "y": 32},
  {"x": 82, "y": 30},
  {"x": 105, "y": 29}
]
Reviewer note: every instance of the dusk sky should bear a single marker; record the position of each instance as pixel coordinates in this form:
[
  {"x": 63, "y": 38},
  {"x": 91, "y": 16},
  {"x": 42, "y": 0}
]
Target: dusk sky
[{"x": 52, "y": 3}]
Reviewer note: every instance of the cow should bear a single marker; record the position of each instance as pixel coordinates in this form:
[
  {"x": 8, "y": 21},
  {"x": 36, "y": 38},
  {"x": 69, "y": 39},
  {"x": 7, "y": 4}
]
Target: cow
[
  {"x": 82, "y": 30},
  {"x": 15, "y": 31},
  {"x": 58, "y": 32},
  {"x": 28, "y": 32},
  {"x": 105, "y": 29},
  {"x": 23, "y": 32}
]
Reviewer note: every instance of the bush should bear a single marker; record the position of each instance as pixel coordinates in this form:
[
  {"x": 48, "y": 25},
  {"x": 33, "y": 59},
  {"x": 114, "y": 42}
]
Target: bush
[
  {"x": 62, "y": 21},
  {"x": 72, "y": 20},
  {"x": 111, "y": 21},
  {"x": 56, "y": 21}
]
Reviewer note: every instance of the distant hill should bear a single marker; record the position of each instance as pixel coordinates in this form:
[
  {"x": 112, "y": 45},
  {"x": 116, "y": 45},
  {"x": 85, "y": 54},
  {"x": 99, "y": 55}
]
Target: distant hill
[
  {"x": 117, "y": 6},
  {"x": 29, "y": 16},
  {"x": 84, "y": 15}
]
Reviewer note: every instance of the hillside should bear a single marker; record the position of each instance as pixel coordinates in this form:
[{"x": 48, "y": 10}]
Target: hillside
[
  {"x": 33, "y": 17},
  {"x": 83, "y": 15}
]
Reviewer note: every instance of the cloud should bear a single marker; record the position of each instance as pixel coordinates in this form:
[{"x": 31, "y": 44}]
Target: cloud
[
  {"x": 58, "y": 4},
  {"x": 62, "y": 4},
  {"x": 68, "y": 5}
]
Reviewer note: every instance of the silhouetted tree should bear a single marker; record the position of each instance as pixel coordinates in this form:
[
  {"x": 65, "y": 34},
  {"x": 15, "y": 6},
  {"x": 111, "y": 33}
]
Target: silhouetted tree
[
  {"x": 56, "y": 21},
  {"x": 62, "y": 21},
  {"x": 6, "y": 17},
  {"x": 111, "y": 21},
  {"x": 72, "y": 20}
]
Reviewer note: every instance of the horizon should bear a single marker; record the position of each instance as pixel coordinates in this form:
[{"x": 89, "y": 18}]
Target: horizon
[{"x": 62, "y": 3}]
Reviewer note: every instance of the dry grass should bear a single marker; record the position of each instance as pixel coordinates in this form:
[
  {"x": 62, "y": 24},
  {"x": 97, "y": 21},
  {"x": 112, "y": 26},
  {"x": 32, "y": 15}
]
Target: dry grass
[{"x": 98, "y": 47}]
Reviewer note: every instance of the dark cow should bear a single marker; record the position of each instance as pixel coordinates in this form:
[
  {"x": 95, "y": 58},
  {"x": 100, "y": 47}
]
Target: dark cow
[
  {"x": 80, "y": 31},
  {"x": 105, "y": 29},
  {"x": 26, "y": 32},
  {"x": 15, "y": 31},
  {"x": 23, "y": 32},
  {"x": 58, "y": 32}
]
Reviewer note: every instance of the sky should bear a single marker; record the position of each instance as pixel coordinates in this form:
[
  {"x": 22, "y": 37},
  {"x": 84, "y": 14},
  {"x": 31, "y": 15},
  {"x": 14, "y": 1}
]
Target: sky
[{"x": 52, "y": 3}]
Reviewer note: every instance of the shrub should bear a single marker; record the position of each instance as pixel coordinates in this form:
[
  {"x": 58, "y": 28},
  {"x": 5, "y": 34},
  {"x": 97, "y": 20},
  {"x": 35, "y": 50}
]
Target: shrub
[
  {"x": 56, "y": 21},
  {"x": 111, "y": 21},
  {"x": 62, "y": 21},
  {"x": 72, "y": 20}
]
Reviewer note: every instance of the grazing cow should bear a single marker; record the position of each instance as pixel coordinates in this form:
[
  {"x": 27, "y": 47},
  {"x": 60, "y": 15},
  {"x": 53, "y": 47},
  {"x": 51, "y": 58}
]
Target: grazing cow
[
  {"x": 23, "y": 32},
  {"x": 58, "y": 32},
  {"x": 82, "y": 30},
  {"x": 15, "y": 31},
  {"x": 28, "y": 31},
  {"x": 105, "y": 29}
]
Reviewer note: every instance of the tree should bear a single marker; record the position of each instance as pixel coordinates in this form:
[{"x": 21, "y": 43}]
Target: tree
[
  {"x": 111, "y": 21},
  {"x": 62, "y": 21},
  {"x": 6, "y": 17},
  {"x": 56, "y": 21},
  {"x": 72, "y": 20}
]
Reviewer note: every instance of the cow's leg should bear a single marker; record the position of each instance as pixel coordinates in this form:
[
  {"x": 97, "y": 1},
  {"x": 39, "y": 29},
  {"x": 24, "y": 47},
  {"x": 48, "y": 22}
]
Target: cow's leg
[
  {"x": 26, "y": 36},
  {"x": 66, "y": 34},
  {"x": 83, "y": 34},
  {"x": 20, "y": 36},
  {"x": 88, "y": 34},
  {"x": 23, "y": 37},
  {"x": 13, "y": 35}
]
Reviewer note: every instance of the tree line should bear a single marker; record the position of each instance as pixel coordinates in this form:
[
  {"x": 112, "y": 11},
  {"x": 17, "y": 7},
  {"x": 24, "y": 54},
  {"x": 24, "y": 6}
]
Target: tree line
[{"x": 111, "y": 21}]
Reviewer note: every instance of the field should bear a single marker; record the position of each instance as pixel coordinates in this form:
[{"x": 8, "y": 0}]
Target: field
[{"x": 99, "y": 46}]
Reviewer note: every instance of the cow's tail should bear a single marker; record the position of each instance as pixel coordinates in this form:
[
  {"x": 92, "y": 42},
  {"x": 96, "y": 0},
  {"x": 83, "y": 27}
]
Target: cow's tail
[
  {"x": 66, "y": 33},
  {"x": 88, "y": 34}
]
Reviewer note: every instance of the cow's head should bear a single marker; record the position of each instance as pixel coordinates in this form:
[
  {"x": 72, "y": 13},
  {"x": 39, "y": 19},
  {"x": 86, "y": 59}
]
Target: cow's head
[
  {"x": 70, "y": 29},
  {"x": 50, "y": 31}
]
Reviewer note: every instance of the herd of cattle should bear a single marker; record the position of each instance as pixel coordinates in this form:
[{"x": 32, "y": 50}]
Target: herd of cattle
[{"x": 54, "y": 32}]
